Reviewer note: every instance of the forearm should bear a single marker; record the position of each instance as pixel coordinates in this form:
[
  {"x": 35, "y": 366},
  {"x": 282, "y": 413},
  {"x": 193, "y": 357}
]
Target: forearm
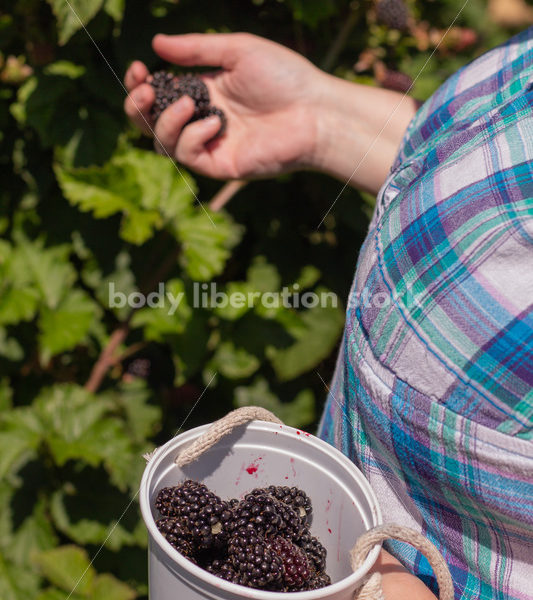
[
  {"x": 397, "y": 582},
  {"x": 358, "y": 131}
]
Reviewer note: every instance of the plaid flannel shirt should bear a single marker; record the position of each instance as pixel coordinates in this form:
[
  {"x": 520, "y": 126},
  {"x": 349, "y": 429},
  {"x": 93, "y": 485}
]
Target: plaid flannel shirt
[{"x": 433, "y": 392}]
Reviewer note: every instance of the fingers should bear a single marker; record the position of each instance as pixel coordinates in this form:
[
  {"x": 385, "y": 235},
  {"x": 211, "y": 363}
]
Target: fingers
[
  {"x": 191, "y": 147},
  {"x": 211, "y": 49},
  {"x": 137, "y": 106},
  {"x": 135, "y": 75},
  {"x": 170, "y": 123}
]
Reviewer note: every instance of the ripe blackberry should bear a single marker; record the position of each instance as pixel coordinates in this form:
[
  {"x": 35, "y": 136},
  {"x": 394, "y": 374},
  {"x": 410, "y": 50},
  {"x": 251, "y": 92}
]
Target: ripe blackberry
[
  {"x": 292, "y": 496},
  {"x": 393, "y": 14},
  {"x": 205, "y": 515},
  {"x": 288, "y": 521},
  {"x": 168, "y": 88},
  {"x": 318, "y": 581},
  {"x": 259, "y": 512},
  {"x": 296, "y": 569},
  {"x": 255, "y": 560},
  {"x": 314, "y": 550},
  {"x": 139, "y": 367},
  {"x": 223, "y": 569},
  {"x": 178, "y": 536}
]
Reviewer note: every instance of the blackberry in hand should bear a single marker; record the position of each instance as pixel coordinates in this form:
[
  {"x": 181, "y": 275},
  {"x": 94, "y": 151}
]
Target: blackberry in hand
[
  {"x": 393, "y": 14},
  {"x": 169, "y": 88}
]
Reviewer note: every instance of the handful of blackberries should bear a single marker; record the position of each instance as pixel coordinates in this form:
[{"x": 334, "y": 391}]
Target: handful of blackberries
[
  {"x": 169, "y": 88},
  {"x": 262, "y": 541}
]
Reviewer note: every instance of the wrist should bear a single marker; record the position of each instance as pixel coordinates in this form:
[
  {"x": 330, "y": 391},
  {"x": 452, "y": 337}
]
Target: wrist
[{"x": 358, "y": 130}]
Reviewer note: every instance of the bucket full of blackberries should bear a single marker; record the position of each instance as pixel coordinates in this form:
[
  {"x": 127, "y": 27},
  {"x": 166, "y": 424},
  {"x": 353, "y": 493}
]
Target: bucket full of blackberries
[{"x": 267, "y": 511}]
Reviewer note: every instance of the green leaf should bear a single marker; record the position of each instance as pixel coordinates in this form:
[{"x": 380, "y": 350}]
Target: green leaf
[
  {"x": 234, "y": 363},
  {"x": 169, "y": 314},
  {"x": 297, "y": 413},
  {"x": 16, "y": 449},
  {"x": 78, "y": 425},
  {"x": 315, "y": 342},
  {"x": 207, "y": 238},
  {"x": 89, "y": 515},
  {"x": 34, "y": 535},
  {"x": 18, "y": 304},
  {"x": 68, "y": 568},
  {"x": 48, "y": 269},
  {"x": 143, "y": 419},
  {"x": 107, "y": 587},
  {"x": 73, "y": 15},
  {"x": 115, "y": 9},
  {"x": 263, "y": 276},
  {"x": 66, "y": 326},
  {"x": 16, "y": 583},
  {"x": 312, "y": 12},
  {"x": 9, "y": 347},
  {"x": 144, "y": 187},
  {"x": 55, "y": 594},
  {"x": 6, "y": 395},
  {"x": 239, "y": 298}
]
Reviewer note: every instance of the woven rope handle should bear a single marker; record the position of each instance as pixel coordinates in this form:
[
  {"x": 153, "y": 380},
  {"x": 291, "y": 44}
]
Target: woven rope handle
[
  {"x": 370, "y": 588},
  {"x": 221, "y": 428},
  {"x": 380, "y": 533}
]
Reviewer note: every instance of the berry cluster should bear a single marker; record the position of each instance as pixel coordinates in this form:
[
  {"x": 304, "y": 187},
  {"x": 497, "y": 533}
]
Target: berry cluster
[
  {"x": 168, "y": 88},
  {"x": 262, "y": 541},
  {"x": 393, "y": 14}
]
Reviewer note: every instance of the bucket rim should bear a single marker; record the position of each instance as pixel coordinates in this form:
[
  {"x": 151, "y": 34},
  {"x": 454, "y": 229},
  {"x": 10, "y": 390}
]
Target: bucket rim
[{"x": 217, "y": 582}]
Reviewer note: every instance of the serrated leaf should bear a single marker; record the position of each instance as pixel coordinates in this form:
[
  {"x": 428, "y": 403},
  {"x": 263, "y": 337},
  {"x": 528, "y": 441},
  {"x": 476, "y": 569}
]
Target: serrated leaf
[
  {"x": 296, "y": 413},
  {"x": 68, "y": 568},
  {"x": 234, "y": 363},
  {"x": 142, "y": 186},
  {"x": 90, "y": 516},
  {"x": 66, "y": 326},
  {"x": 76, "y": 426},
  {"x": 263, "y": 276},
  {"x": 73, "y": 15},
  {"x": 163, "y": 187},
  {"x": 143, "y": 419},
  {"x": 48, "y": 269},
  {"x": 34, "y": 535},
  {"x": 16, "y": 583},
  {"x": 107, "y": 587},
  {"x": 236, "y": 301},
  {"x": 169, "y": 312},
  {"x": 115, "y": 9},
  {"x": 322, "y": 327},
  {"x": 207, "y": 238},
  {"x": 18, "y": 304},
  {"x": 16, "y": 449},
  {"x": 55, "y": 594}
]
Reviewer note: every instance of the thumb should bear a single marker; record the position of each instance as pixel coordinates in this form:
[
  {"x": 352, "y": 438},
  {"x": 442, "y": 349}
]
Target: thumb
[{"x": 201, "y": 49}]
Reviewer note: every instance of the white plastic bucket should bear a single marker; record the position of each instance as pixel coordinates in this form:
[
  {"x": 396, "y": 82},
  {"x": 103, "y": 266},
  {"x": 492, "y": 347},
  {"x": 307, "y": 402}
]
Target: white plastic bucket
[{"x": 257, "y": 455}]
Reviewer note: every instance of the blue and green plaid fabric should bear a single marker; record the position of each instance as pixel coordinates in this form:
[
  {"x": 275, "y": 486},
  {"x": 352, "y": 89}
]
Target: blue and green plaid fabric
[{"x": 433, "y": 392}]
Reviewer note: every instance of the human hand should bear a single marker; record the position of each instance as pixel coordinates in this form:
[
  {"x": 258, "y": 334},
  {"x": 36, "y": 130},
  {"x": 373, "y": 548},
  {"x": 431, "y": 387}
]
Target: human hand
[{"x": 269, "y": 94}]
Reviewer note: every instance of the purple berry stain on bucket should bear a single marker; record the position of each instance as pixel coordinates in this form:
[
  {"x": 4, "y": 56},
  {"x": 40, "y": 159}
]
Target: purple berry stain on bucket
[{"x": 261, "y": 541}]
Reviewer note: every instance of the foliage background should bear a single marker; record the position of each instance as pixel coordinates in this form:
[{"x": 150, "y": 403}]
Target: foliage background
[{"x": 86, "y": 389}]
